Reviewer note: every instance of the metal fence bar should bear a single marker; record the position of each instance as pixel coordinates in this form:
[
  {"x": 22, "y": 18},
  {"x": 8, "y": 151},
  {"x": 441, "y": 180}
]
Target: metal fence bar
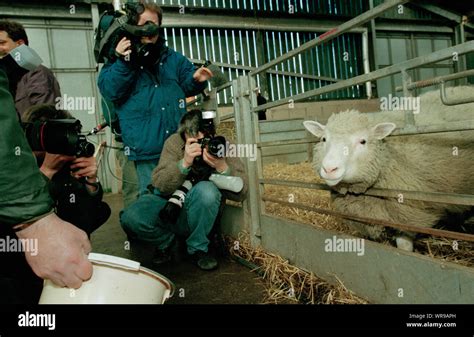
[
  {"x": 439, "y": 128},
  {"x": 437, "y": 56},
  {"x": 444, "y": 198},
  {"x": 406, "y": 131},
  {"x": 331, "y": 34},
  {"x": 377, "y": 222},
  {"x": 287, "y": 142},
  {"x": 276, "y": 72},
  {"x": 436, "y": 80}
]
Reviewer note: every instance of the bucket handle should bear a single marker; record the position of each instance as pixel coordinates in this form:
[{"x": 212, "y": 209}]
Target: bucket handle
[{"x": 114, "y": 261}]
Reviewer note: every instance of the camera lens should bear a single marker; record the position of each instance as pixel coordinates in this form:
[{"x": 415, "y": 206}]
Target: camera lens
[
  {"x": 84, "y": 148},
  {"x": 60, "y": 136},
  {"x": 217, "y": 146}
]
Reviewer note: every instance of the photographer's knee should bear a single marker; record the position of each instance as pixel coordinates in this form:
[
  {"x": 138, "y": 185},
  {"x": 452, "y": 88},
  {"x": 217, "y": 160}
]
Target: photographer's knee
[
  {"x": 127, "y": 220},
  {"x": 206, "y": 194}
]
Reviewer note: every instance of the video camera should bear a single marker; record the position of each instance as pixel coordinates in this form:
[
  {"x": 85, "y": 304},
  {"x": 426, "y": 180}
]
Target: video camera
[
  {"x": 201, "y": 171},
  {"x": 58, "y": 136},
  {"x": 116, "y": 24}
]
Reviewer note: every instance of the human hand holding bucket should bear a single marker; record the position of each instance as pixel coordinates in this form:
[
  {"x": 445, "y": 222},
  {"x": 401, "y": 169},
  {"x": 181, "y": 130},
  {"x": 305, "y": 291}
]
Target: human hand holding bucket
[{"x": 114, "y": 280}]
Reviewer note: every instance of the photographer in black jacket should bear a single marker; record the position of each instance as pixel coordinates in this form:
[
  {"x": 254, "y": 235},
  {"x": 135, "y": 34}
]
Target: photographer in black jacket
[{"x": 73, "y": 182}]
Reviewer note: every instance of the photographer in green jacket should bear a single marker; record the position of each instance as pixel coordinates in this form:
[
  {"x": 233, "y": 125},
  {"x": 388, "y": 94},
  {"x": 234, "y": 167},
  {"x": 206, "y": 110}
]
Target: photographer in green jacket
[{"x": 26, "y": 214}]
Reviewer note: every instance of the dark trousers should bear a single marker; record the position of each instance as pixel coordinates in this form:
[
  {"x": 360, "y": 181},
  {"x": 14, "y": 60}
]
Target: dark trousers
[{"x": 18, "y": 282}]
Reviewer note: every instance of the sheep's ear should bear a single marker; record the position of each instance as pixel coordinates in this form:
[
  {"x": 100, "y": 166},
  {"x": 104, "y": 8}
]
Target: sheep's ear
[
  {"x": 315, "y": 128},
  {"x": 382, "y": 130}
]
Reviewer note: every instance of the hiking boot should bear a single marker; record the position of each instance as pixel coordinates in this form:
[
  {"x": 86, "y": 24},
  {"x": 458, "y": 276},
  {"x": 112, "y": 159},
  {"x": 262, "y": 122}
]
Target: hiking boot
[{"x": 203, "y": 260}]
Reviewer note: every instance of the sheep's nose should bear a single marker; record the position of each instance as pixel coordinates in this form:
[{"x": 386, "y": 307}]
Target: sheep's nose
[{"x": 329, "y": 169}]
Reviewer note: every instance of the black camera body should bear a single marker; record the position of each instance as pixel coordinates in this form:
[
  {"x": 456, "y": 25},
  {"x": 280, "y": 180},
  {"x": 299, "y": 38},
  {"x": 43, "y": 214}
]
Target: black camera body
[
  {"x": 58, "y": 136},
  {"x": 215, "y": 145}
]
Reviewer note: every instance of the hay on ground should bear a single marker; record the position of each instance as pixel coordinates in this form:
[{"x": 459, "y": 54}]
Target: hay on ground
[{"x": 288, "y": 284}]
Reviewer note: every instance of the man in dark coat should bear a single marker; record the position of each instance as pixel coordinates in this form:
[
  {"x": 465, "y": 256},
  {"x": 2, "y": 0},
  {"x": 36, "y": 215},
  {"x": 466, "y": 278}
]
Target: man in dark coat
[{"x": 38, "y": 86}]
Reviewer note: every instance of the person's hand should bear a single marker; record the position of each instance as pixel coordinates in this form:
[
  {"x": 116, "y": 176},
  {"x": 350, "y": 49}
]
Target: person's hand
[
  {"x": 219, "y": 164},
  {"x": 53, "y": 163},
  {"x": 84, "y": 167},
  {"x": 123, "y": 47},
  {"x": 202, "y": 74},
  {"x": 62, "y": 251},
  {"x": 192, "y": 149}
]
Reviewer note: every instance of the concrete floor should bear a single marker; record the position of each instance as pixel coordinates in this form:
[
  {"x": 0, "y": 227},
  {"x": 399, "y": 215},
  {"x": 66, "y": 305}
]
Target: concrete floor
[{"x": 231, "y": 283}]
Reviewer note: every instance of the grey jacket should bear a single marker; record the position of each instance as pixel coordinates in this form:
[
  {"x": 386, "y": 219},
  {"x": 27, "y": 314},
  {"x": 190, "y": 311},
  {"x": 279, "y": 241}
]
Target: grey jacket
[{"x": 38, "y": 86}]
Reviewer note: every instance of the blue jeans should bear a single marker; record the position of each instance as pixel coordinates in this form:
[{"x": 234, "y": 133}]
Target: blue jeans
[
  {"x": 144, "y": 170},
  {"x": 141, "y": 220}
]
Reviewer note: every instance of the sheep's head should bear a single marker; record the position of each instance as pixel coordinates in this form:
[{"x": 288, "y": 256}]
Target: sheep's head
[{"x": 349, "y": 148}]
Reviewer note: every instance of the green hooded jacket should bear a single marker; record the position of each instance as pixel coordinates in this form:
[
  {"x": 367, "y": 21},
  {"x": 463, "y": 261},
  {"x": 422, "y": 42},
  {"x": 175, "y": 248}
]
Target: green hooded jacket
[{"x": 24, "y": 194}]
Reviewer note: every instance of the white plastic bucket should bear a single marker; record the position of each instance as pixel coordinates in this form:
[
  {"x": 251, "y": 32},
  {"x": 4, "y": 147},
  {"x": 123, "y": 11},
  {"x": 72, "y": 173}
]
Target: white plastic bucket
[{"x": 114, "y": 281}]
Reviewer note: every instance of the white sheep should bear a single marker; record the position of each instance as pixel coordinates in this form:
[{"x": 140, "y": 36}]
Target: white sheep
[{"x": 354, "y": 155}]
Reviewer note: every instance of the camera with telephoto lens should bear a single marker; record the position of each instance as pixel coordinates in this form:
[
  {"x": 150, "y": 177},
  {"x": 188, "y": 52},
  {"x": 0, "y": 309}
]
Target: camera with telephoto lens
[
  {"x": 58, "y": 136},
  {"x": 170, "y": 212}
]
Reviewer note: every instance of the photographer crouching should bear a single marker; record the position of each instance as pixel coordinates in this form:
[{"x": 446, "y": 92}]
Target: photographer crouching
[
  {"x": 184, "y": 201},
  {"x": 72, "y": 178}
]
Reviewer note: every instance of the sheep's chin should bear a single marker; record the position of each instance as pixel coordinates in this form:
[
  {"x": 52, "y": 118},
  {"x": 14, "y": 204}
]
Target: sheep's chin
[{"x": 333, "y": 182}]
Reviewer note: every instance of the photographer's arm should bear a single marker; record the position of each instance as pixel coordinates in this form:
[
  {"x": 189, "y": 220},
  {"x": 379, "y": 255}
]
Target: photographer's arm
[
  {"x": 116, "y": 80},
  {"x": 52, "y": 163},
  {"x": 24, "y": 200},
  {"x": 23, "y": 191},
  {"x": 229, "y": 167},
  {"x": 167, "y": 176},
  {"x": 236, "y": 169},
  {"x": 192, "y": 81}
]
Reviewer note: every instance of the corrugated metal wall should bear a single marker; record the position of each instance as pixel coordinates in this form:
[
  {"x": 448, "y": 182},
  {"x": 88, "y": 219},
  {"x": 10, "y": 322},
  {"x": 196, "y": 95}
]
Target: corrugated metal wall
[
  {"x": 395, "y": 48},
  {"x": 334, "y": 7},
  {"x": 244, "y": 48},
  {"x": 407, "y": 12},
  {"x": 239, "y": 49}
]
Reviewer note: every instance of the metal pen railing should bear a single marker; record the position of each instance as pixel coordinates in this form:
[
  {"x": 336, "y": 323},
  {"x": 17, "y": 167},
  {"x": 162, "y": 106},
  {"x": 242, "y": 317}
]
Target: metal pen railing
[{"x": 245, "y": 108}]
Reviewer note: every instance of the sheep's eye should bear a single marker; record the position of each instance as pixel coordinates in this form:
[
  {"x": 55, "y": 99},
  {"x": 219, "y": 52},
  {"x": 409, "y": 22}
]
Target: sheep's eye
[
  {"x": 323, "y": 139},
  {"x": 363, "y": 141}
]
